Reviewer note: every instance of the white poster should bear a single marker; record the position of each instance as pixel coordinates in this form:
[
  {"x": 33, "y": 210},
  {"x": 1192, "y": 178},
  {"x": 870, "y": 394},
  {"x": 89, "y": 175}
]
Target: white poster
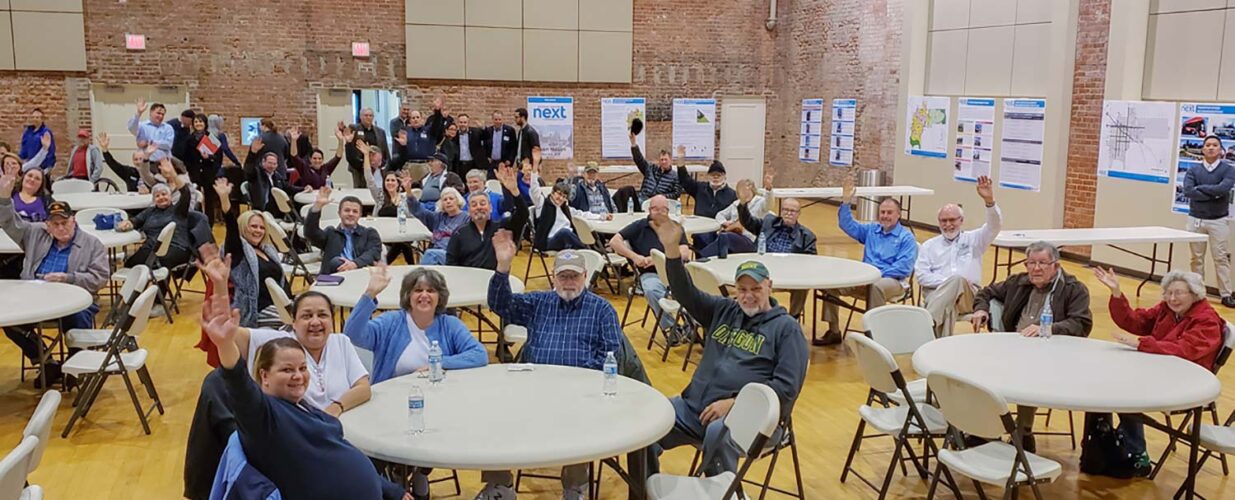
[
  {"x": 927, "y": 130},
  {"x": 616, "y": 114},
  {"x": 1136, "y": 141},
  {"x": 1196, "y": 121},
  {"x": 844, "y": 119},
  {"x": 809, "y": 143},
  {"x": 554, "y": 119},
  {"x": 975, "y": 138},
  {"x": 1020, "y": 145},
  {"x": 694, "y": 126}
]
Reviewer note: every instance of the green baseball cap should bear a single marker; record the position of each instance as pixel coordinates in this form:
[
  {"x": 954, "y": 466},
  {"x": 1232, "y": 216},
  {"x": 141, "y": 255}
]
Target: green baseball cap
[{"x": 752, "y": 268}]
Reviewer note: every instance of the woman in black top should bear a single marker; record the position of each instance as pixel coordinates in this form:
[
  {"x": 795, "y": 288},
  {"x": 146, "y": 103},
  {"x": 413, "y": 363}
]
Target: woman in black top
[
  {"x": 253, "y": 259},
  {"x": 300, "y": 448},
  {"x": 386, "y": 196},
  {"x": 152, "y": 220},
  {"x": 201, "y": 165}
]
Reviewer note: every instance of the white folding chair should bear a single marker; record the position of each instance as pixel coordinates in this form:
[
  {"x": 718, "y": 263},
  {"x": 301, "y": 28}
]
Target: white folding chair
[
  {"x": 39, "y": 425},
  {"x": 160, "y": 274},
  {"x": 284, "y": 202},
  {"x": 613, "y": 262},
  {"x": 300, "y": 265},
  {"x": 492, "y": 186},
  {"x": 282, "y": 302},
  {"x": 15, "y": 467},
  {"x": 94, "y": 367},
  {"x": 707, "y": 282},
  {"x": 136, "y": 281},
  {"x": 67, "y": 186},
  {"x": 593, "y": 262},
  {"x": 1220, "y": 437},
  {"x": 751, "y": 423},
  {"x": 901, "y": 329},
  {"x": 975, "y": 410},
  {"x": 330, "y": 212},
  {"x": 667, "y": 306}
]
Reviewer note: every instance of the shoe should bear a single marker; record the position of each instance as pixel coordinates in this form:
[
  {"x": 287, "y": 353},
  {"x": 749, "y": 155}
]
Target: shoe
[
  {"x": 54, "y": 376},
  {"x": 1141, "y": 466},
  {"x": 496, "y": 492},
  {"x": 1228, "y": 301},
  {"x": 972, "y": 441},
  {"x": 1029, "y": 444},
  {"x": 830, "y": 338}
]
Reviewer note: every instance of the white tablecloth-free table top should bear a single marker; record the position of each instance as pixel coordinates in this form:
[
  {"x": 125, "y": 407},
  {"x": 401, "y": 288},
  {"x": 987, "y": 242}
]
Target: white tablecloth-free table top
[
  {"x": 691, "y": 224},
  {"x": 121, "y": 201},
  {"x": 468, "y": 286},
  {"x": 558, "y": 413},
  {"x": 388, "y": 228},
  {"x": 545, "y": 190},
  {"x": 34, "y": 301},
  {"x": 1020, "y": 238},
  {"x": 631, "y": 169},
  {"x": 799, "y": 271},
  {"x": 110, "y": 239},
  {"x": 308, "y": 197},
  {"x": 864, "y": 191},
  {"x": 1071, "y": 373}
]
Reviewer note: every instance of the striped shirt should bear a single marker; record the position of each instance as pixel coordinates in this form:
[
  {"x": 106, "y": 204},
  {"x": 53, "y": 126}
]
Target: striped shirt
[{"x": 576, "y": 333}]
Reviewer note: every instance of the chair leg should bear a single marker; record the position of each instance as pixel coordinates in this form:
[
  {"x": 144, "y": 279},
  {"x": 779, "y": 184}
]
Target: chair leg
[
  {"x": 896, "y": 458},
  {"x": 1072, "y": 428},
  {"x": 1213, "y": 412},
  {"x": 930, "y": 491},
  {"x": 1170, "y": 446},
  {"x": 694, "y": 462},
  {"x": 144, "y": 375},
  {"x": 86, "y": 398},
  {"x": 137, "y": 405},
  {"x": 853, "y": 450},
  {"x": 767, "y": 478}
]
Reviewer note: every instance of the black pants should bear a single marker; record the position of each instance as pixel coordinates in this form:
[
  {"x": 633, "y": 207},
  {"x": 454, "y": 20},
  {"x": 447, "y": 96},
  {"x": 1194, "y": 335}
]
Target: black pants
[
  {"x": 393, "y": 251},
  {"x": 463, "y": 167},
  {"x": 564, "y": 240},
  {"x": 175, "y": 257},
  {"x": 358, "y": 178},
  {"x": 623, "y": 199}
]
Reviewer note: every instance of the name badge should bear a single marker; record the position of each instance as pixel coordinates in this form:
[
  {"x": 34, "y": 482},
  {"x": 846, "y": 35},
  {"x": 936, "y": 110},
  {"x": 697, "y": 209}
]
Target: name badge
[{"x": 505, "y": 138}]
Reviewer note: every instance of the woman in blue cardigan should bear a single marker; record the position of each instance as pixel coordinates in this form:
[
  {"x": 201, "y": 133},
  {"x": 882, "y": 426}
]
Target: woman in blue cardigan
[{"x": 400, "y": 339}]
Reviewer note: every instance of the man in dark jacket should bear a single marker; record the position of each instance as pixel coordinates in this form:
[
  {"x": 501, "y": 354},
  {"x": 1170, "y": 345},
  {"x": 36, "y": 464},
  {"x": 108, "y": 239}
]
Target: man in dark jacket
[
  {"x": 658, "y": 179},
  {"x": 1023, "y": 297},
  {"x": 526, "y": 136},
  {"x": 591, "y": 194},
  {"x": 783, "y": 234},
  {"x": 262, "y": 179},
  {"x": 373, "y": 135},
  {"x": 471, "y": 245},
  {"x": 183, "y": 126},
  {"x": 498, "y": 143},
  {"x": 471, "y": 153},
  {"x": 346, "y": 246},
  {"x": 750, "y": 340},
  {"x": 1208, "y": 189},
  {"x": 710, "y": 197}
]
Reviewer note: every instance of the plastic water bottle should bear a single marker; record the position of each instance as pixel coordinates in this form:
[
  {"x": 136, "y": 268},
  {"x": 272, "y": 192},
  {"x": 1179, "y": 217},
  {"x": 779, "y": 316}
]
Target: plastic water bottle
[
  {"x": 610, "y": 388},
  {"x": 329, "y": 183},
  {"x": 762, "y": 244},
  {"x": 402, "y": 217},
  {"x": 435, "y": 363},
  {"x": 1045, "y": 321},
  {"x": 632, "y": 204},
  {"x": 415, "y": 411}
]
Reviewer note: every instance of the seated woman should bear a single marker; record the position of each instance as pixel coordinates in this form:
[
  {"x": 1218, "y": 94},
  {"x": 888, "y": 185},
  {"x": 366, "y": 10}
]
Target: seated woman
[
  {"x": 31, "y": 198},
  {"x": 311, "y": 166},
  {"x": 285, "y": 438},
  {"x": 554, "y": 229},
  {"x": 152, "y": 220},
  {"x": 1183, "y": 325},
  {"x": 386, "y": 197},
  {"x": 253, "y": 259},
  {"x": 449, "y": 217}
]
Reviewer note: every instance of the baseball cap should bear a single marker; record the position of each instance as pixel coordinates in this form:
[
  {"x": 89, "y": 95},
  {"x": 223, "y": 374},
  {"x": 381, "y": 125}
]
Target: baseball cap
[
  {"x": 83, "y": 133},
  {"x": 59, "y": 209},
  {"x": 716, "y": 168},
  {"x": 441, "y": 157},
  {"x": 569, "y": 261},
  {"x": 752, "y": 268},
  {"x": 591, "y": 167}
]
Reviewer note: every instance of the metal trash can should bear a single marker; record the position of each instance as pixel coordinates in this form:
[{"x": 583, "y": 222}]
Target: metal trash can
[{"x": 868, "y": 208}]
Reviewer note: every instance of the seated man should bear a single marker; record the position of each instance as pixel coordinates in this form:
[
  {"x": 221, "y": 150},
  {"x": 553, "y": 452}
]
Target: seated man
[
  {"x": 733, "y": 235},
  {"x": 348, "y": 245},
  {"x": 783, "y": 234},
  {"x": 636, "y": 242},
  {"x": 751, "y": 339},
  {"x": 55, "y": 251},
  {"x": 949, "y": 266},
  {"x": 471, "y": 244},
  {"x": 433, "y": 183},
  {"x": 476, "y": 180},
  {"x": 554, "y": 229},
  {"x": 262, "y": 179},
  {"x": 591, "y": 194},
  {"x": 1023, "y": 296},
  {"x": 888, "y": 246},
  {"x": 710, "y": 197},
  {"x": 569, "y": 326}
]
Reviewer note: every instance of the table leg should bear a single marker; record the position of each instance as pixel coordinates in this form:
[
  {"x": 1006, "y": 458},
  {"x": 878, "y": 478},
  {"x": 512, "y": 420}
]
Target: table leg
[
  {"x": 1189, "y": 487},
  {"x": 637, "y": 473},
  {"x": 1153, "y": 266}
]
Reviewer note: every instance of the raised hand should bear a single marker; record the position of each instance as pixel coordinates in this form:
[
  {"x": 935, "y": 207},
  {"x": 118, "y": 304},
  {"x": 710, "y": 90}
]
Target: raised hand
[
  {"x": 222, "y": 328},
  {"x": 985, "y": 190},
  {"x": 1107, "y": 277},
  {"x": 104, "y": 141},
  {"x": 767, "y": 180},
  {"x": 406, "y": 182},
  {"x": 256, "y": 145},
  {"x": 167, "y": 170},
  {"x": 745, "y": 193},
  {"x": 504, "y": 248},
  {"x": 681, "y": 151},
  {"x": 216, "y": 270},
  {"x": 669, "y": 232},
  {"x": 223, "y": 187},
  {"x": 323, "y": 198},
  {"x": 506, "y": 175},
  {"x": 379, "y": 278},
  {"x": 401, "y": 137},
  {"x": 294, "y": 133},
  {"x": 6, "y": 184},
  {"x": 362, "y": 145},
  {"x": 848, "y": 189},
  {"x": 45, "y": 140},
  {"x": 338, "y": 134},
  {"x": 536, "y": 157},
  {"x": 141, "y": 106},
  {"x": 437, "y": 103}
]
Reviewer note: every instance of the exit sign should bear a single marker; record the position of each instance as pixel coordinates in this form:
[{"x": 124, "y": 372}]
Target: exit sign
[{"x": 360, "y": 49}]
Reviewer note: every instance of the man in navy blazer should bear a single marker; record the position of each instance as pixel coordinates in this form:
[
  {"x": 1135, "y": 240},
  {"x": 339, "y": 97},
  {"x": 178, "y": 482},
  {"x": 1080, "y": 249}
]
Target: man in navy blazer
[{"x": 498, "y": 143}]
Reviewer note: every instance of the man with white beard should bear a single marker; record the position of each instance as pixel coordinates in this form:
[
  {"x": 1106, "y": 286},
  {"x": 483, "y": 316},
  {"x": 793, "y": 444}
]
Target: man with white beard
[
  {"x": 569, "y": 326},
  {"x": 751, "y": 339},
  {"x": 949, "y": 266}
]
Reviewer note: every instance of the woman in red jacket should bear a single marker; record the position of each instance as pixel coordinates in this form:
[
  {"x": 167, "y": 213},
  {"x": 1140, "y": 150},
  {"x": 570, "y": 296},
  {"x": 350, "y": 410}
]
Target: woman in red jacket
[{"x": 1183, "y": 325}]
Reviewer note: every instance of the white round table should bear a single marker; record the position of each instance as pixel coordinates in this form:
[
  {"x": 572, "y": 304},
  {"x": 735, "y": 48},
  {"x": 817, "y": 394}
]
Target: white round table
[
  {"x": 387, "y": 228},
  {"x": 691, "y": 224},
  {"x": 559, "y": 412},
  {"x": 109, "y": 237},
  {"x": 791, "y": 271},
  {"x": 36, "y": 301},
  {"x": 121, "y": 201},
  {"x": 1071, "y": 373},
  {"x": 308, "y": 197},
  {"x": 468, "y": 286}
]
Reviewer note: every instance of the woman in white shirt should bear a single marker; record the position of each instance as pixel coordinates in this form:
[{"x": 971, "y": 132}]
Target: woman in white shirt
[{"x": 735, "y": 237}]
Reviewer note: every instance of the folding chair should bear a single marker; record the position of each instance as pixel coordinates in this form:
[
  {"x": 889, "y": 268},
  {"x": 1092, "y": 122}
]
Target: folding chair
[
  {"x": 296, "y": 265},
  {"x": 105, "y": 185},
  {"x": 614, "y": 263},
  {"x": 14, "y": 469},
  {"x": 1218, "y": 439},
  {"x": 94, "y": 367},
  {"x": 39, "y": 425},
  {"x": 901, "y": 329},
  {"x": 532, "y": 256},
  {"x": 706, "y": 282},
  {"x": 70, "y": 186},
  {"x": 1224, "y": 353},
  {"x": 788, "y": 440},
  {"x": 667, "y": 306},
  {"x": 751, "y": 423},
  {"x": 282, "y": 303},
  {"x": 594, "y": 263},
  {"x": 88, "y": 338}
]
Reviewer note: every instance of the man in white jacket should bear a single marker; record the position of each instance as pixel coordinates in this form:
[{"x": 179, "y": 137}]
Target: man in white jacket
[{"x": 949, "y": 266}]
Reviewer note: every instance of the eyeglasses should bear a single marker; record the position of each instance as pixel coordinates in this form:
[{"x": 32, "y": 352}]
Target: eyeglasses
[
  {"x": 789, "y": 210},
  {"x": 952, "y": 220},
  {"x": 1176, "y": 293},
  {"x": 1034, "y": 264}
]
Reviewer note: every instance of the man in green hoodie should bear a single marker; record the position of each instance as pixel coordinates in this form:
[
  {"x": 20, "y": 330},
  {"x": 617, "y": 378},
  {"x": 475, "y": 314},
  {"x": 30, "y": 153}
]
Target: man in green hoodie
[{"x": 750, "y": 339}]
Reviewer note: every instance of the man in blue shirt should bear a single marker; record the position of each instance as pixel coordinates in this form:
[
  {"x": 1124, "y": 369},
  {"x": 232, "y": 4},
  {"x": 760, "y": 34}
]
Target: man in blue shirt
[
  {"x": 31, "y": 141},
  {"x": 569, "y": 326},
  {"x": 889, "y": 246},
  {"x": 154, "y": 135}
]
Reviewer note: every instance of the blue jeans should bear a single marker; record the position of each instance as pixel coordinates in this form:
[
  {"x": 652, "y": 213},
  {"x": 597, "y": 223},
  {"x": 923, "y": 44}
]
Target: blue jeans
[
  {"x": 734, "y": 242},
  {"x": 653, "y": 291},
  {"x": 720, "y": 454},
  {"x": 433, "y": 257},
  {"x": 564, "y": 240}
]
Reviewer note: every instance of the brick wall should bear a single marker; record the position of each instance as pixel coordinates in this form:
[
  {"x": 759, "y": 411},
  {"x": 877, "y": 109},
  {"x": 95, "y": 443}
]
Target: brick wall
[
  {"x": 26, "y": 91},
  {"x": 1088, "y": 88}
]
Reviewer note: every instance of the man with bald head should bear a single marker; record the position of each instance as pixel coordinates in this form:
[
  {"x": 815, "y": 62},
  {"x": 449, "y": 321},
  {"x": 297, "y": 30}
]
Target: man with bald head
[
  {"x": 636, "y": 242},
  {"x": 949, "y": 266}
]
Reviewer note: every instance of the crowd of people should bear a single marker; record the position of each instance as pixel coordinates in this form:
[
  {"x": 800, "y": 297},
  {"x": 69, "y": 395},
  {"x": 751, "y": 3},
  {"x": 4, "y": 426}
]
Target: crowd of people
[{"x": 280, "y": 388}]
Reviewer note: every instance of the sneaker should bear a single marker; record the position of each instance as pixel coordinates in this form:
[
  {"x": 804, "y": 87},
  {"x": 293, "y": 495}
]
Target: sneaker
[
  {"x": 577, "y": 493},
  {"x": 496, "y": 492},
  {"x": 830, "y": 338},
  {"x": 1141, "y": 466},
  {"x": 1228, "y": 301}
]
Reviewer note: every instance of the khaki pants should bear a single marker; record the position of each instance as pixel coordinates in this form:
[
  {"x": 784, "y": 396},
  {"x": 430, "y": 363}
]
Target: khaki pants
[
  {"x": 952, "y": 298},
  {"x": 876, "y": 294},
  {"x": 416, "y": 170},
  {"x": 1218, "y": 231}
]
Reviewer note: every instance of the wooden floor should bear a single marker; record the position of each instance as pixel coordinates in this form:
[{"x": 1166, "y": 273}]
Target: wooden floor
[{"x": 108, "y": 456}]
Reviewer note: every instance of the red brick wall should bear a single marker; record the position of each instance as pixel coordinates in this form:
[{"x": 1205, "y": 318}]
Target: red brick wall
[
  {"x": 1088, "y": 88},
  {"x": 28, "y": 90}
]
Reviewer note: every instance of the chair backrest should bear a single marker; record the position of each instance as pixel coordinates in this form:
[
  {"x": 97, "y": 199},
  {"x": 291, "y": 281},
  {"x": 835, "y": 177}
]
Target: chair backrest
[
  {"x": 704, "y": 279},
  {"x": 1228, "y": 345},
  {"x": 658, "y": 260},
  {"x": 165, "y": 239},
  {"x": 366, "y": 358},
  {"x": 875, "y": 361},
  {"x": 282, "y": 302},
  {"x": 85, "y": 218},
  {"x": 593, "y": 261},
  {"x": 755, "y": 413},
  {"x": 899, "y": 328},
  {"x": 995, "y": 322},
  {"x": 39, "y": 425},
  {"x": 15, "y": 466},
  {"x": 275, "y": 234},
  {"x": 134, "y": 283},
  {"x": 65, "y": 186},
  {"x": 584, "y": 230},
  {"x": 968, "y": 406},
  {"x": 32, "y": 492},
  {"x": 105, "y": 185},
  {"x": 244, "y": 189},
  {"x": 493, "y": 186},
  {"x": 139, "y": 312},
  {"x": 281, "y": 200}
]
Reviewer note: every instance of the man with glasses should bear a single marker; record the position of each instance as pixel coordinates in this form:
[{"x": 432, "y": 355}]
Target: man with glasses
[
  {"x": 1016, "y": 304},
  {"x": 949, "y": 266},
  {"x": 781, "y": 234}
]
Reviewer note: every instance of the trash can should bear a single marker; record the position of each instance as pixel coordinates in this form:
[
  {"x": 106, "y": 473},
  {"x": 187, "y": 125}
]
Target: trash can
[{"x": 868, "y": 208}]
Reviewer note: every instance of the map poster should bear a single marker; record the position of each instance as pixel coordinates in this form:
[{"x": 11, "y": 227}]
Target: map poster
[
  {"x": 1196, "y": 121},
  {"x": 927, "y": 130},
  {"x": 694, "y": 127},
  {"x": 812, "y": 131},
  {"x": 1020, "y": 145},
  {"x": 554, "y": 119},
  {"x": 1136, "y": 140},
  {"x": 616, "y": 114},
  {"x": 975, "y": 138},
  {"x": 844, "y": 119}
]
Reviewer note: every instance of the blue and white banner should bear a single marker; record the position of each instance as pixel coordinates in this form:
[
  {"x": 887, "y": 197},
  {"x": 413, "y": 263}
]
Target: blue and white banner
[
  {"x": 1021, "y": 144},
  {"x": 1197, "y": 121},
  {"x": 616, "y": 114},
  {"x": 975, "y": 138},
  {"x": 844, "y": 121},
  {"x": 812, "y": 131},
  {"x": 694, "y": 127},
  {"x": 1137, "y": 141},
  {"x": 554, "y": 119}
]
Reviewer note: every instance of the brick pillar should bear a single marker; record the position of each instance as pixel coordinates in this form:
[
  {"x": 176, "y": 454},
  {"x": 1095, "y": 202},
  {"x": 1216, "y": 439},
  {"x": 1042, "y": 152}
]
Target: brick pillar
[{"x": 1088, "y": 89}]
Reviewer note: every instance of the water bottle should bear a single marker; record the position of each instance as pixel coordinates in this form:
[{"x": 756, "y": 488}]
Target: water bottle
[
  {"x": 329, "y": 183},
  {"x": 1045, "y": 321},
  {"x": 610, "y": 388},
  {"x": 632, "y": 204},
  {"x": 402, "y": 217},
  {"x": 415, "y": 411},
  {"x": 435, "y": 363},
  {"x": 762, "y": 244}
]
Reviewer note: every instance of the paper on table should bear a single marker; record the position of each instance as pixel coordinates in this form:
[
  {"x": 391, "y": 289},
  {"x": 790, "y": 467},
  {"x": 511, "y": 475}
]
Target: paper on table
[{"x": 520, "y": 367}]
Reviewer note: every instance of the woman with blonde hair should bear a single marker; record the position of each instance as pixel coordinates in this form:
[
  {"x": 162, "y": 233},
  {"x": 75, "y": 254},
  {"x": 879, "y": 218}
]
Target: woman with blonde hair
[{"x": 253, "y": 259}]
